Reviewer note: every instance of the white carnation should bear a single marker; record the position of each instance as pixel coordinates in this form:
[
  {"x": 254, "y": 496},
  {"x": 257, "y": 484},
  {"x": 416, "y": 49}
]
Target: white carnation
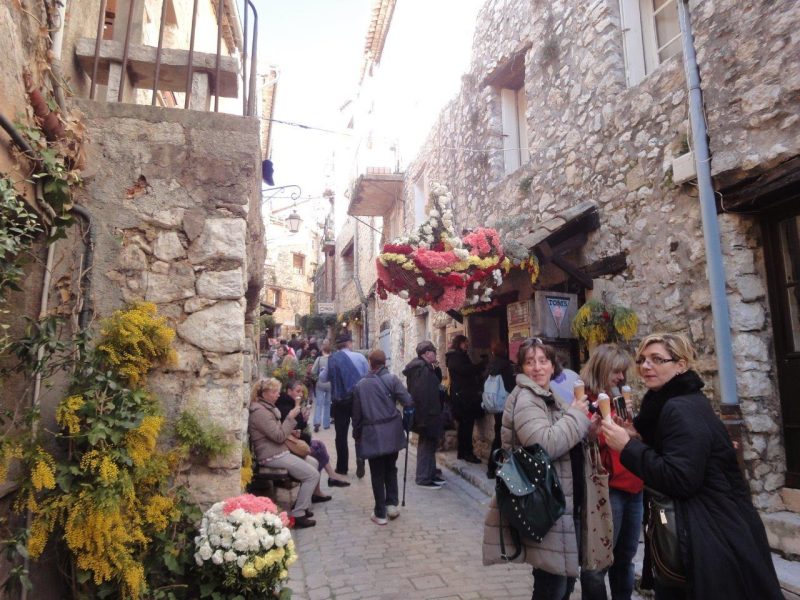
[
  {"x": 217, "y": 558},
  {"x": 205, "y": 551},
  {"x": 230, "y": 556},
  {"x": 421, "y": 281},
  {"x": 240, "y": 561},
  {"x": 198, "y": 560}
]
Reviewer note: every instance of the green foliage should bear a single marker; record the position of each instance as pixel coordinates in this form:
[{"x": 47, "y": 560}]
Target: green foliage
[
  {"x": 315, "y": 323},
  {"x": 204, "y": 440},
  {"x": 58, "y": 171},
  {"x": 108, "y": 500}
]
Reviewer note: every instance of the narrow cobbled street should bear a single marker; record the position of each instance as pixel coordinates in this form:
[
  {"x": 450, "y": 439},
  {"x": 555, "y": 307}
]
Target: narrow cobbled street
[{"x": 431, "y": 552}]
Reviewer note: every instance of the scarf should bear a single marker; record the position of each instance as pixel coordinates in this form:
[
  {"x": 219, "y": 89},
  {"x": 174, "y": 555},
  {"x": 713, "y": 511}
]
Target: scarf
[{"x": 654, "y": 400}]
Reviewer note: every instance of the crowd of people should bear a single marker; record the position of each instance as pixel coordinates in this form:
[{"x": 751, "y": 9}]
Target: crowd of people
[{"x": 673, "y": 446}]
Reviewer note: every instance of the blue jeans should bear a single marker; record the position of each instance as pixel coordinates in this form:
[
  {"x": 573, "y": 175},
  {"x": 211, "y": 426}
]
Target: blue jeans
[
  {"x": 322, "y": 408},
  {"x": 626, "y": 511}
]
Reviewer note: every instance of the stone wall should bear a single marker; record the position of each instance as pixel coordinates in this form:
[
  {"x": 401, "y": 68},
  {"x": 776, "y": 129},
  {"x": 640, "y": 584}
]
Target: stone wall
[
  {"x": 175, "y": 195},
  {"x": 592, "y": 137}
]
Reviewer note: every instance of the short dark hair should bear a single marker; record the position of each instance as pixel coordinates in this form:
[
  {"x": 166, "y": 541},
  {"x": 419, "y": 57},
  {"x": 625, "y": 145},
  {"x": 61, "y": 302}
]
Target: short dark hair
[
  {"x": 377, "y": 358},
  {"x": 457, "y": 341},
  {"x": 549, "y": 352},
  {"x": 424, "y": 346}
]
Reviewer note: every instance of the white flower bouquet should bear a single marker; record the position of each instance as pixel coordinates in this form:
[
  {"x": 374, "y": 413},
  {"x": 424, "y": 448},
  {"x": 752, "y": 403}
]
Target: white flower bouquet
[{"x": 244, "y": 548}]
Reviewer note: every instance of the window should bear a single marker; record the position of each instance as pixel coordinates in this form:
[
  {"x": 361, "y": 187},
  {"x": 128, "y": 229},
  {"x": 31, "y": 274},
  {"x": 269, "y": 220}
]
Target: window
[
  {"x": 420, "y": 201},
  {"x": 348, "y": 264},
  {"x": 298, "y": 263},
  {"x": 277, "y": 301},
  {"x": 515, "y": 128},
  {"x": 508, "y": 79},
  {"x": 651, "y": 35}
]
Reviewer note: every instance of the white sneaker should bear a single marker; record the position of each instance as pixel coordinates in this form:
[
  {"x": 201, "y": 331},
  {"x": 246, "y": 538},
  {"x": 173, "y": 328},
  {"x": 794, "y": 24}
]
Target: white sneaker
[
  {"x": 392, "y": 511},
  {"x": 379, "y": 520}
]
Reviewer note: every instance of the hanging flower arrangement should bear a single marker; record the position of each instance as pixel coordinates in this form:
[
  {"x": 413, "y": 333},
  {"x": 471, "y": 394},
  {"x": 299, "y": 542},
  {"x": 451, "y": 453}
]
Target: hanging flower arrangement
[
  {"x": 434, "y": 267},
  {"x": 597, "y": 323}
]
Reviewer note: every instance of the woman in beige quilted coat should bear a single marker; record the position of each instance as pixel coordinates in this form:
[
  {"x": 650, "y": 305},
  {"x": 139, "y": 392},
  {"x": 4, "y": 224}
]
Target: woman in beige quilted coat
[{"x": 539, "y": 417}]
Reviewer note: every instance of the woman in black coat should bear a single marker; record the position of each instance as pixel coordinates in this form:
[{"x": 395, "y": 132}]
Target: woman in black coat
[
  {"x": 466, "y": 387},
  {"x": 685, "y": 453}
]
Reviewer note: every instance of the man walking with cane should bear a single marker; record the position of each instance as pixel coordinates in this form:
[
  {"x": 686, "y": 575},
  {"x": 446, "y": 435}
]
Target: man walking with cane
[
  {"x": 378, "y": 431},
  {"x": 423, "y": 378},
  {"x": 345, "y": 369}
]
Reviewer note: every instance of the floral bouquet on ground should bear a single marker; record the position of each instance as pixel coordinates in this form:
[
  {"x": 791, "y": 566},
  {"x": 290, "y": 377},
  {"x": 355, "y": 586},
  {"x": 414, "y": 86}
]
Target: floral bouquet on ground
[{"x": 244, "y": 548}]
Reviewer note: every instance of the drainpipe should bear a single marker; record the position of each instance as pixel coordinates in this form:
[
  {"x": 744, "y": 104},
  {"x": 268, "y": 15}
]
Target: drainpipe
[
  {"x": 730, "y": 409},
  {"x": 359, "y": 288},
  {"x": 57, "y": 40}
]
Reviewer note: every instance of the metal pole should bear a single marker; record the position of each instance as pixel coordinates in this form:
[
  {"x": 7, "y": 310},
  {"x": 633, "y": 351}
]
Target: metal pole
[
  {"x": 219, "y": 55},
  {"x": 101, "y": 21},
  {"x": 190, "y": 68},
  {"x": 708, "y": 209},
  {"x": 126, "y": 47},
  {"x": 158, "y": 50}
]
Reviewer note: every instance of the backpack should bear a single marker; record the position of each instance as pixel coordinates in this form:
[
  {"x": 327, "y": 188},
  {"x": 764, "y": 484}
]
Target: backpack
[{"x": 494, "y": 394}]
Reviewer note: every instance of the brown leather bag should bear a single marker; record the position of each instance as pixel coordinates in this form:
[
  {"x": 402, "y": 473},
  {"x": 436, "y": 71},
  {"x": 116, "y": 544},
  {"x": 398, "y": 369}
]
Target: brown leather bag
[{"x": 297, "y": 446}]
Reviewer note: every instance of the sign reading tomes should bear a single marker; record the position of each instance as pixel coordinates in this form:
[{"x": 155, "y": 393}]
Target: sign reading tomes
[{"x": 437, "y": 268}]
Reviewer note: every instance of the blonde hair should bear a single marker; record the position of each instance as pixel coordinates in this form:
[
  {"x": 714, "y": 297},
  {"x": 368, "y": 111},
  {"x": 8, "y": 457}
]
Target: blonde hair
[
  {"x": 270, "y": 383},
  {"x": 678, "y": 346},
  {"x": 604, "y": 360}
]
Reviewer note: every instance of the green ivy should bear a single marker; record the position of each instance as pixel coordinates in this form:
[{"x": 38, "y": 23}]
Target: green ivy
[{"x": 203, "y": 440}]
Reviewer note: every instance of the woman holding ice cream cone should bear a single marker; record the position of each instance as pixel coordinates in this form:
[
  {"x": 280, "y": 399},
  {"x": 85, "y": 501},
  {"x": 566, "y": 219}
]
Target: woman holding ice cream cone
[
  {"x": 605, "y": 371},
  {"x": 686, "y": 454}
]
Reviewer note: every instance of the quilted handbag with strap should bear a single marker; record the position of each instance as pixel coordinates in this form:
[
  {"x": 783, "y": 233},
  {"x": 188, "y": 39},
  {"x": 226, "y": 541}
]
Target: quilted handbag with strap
[{"x": 529, "y": 495}]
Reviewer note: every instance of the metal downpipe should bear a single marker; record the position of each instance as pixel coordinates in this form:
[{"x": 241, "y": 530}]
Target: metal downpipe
[{"x": 730, "y": 411}]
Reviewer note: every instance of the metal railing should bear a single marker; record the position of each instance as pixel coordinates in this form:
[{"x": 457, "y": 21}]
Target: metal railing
[{"x": 247, "y": 75}]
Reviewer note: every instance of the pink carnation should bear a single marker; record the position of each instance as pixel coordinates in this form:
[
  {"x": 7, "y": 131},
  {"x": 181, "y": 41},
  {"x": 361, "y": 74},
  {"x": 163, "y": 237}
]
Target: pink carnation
[
  {"x": 481, "y": 241},
  {"x": 453, "y": 298},
  {"x": 284, "y": 518},
  {"x": 432, "y": 259},
  {"x": 249, "y": 503}
]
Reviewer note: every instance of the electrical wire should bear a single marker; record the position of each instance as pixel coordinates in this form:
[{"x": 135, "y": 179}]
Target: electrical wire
[{"x": 310, "y": 127}]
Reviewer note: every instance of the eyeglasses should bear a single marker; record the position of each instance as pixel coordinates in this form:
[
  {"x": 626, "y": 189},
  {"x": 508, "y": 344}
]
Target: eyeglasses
[
  {"x": 533, "y": 340},
  {"x": 654, "y": 361}
]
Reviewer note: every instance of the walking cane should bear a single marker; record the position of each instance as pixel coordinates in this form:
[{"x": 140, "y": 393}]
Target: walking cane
[{"x": 405, "y": 470}]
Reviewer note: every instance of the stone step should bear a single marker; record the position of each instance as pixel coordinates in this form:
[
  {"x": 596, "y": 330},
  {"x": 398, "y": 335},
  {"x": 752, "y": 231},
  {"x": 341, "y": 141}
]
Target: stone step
[{"x": 783, "y": 532}]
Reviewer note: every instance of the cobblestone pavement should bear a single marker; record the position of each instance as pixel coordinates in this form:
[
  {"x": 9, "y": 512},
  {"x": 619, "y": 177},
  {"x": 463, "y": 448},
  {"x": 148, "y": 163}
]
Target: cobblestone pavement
[{"x": 431, "y": 552}]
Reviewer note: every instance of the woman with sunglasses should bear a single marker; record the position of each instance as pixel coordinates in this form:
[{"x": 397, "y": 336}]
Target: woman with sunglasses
[
  {"x": 534, "y": 415},
  {"x": 685, "y": 453}
]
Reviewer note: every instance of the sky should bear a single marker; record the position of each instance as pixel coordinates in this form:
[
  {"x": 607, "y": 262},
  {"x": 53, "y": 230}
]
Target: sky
[{"x": 318, "y": 47}]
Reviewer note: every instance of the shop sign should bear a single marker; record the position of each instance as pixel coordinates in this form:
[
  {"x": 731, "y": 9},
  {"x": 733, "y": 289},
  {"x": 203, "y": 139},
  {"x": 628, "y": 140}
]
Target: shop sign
[
  {"x": 325, "y": 308},
  {"x": 517, "y": 335},
  {"x": 519, "y": 313},
  {"x": 553, "y": 313}
]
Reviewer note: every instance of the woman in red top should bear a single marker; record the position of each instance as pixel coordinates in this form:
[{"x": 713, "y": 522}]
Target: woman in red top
[{"x": 604, "y": 371}]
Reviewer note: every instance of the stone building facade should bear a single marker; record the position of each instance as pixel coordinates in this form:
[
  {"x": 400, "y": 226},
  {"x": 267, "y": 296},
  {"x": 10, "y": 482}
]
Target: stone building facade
[
  {"x": 291, "y": 262},
  {"x": 560, "y": 107},
  {"x": 175, "y": 206}
]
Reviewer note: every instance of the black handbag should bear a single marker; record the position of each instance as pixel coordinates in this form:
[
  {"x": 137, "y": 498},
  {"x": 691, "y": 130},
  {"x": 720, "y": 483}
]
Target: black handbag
[
  {"x": 662, "y": 534},
  {"x": 529, "y": 495}
]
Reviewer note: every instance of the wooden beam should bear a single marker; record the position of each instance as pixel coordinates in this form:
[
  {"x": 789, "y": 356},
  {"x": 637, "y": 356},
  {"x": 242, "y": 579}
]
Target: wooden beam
[
  {"x": 172, "y": 73},
  {"x": 572, "y": 270},
  {"x": 762, "y": 192},
  {"x": 610, "y": 265},
  {"x": 456, "y": 315}
]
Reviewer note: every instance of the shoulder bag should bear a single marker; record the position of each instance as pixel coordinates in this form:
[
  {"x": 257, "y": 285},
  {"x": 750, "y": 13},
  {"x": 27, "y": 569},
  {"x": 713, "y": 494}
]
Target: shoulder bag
[
  {"x": 597, "y": 525},
  {"x": 661, "y": 531},
  {"x": 529, "y": 495},
  {"x": 297, "y": 446}
]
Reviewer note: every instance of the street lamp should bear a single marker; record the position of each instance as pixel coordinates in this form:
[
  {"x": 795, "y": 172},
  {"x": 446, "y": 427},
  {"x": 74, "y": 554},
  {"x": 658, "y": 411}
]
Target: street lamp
[{"x": 294, "y": 221}]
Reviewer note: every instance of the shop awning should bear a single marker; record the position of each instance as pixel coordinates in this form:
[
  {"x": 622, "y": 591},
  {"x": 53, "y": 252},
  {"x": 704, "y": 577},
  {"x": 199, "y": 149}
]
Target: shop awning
[
  {"x": 374, "y": 194},
  {"x": 553, "y": 239}
]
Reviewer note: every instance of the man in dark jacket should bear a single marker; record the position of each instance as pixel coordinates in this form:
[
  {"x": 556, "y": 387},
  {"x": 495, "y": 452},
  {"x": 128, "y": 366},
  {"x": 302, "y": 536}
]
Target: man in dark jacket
[
  {"x": 465, "y": 394},
  {"x": 423, "y": 384},
  {"x": 378, "y": 431}
]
